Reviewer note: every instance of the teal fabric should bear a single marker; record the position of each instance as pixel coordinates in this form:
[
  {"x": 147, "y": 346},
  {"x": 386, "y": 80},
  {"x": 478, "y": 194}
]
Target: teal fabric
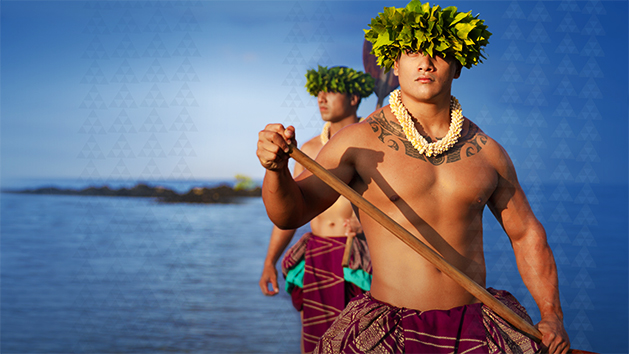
[
  {"x": 295, "y": 277},
  {"x": 359, "y": 277}
]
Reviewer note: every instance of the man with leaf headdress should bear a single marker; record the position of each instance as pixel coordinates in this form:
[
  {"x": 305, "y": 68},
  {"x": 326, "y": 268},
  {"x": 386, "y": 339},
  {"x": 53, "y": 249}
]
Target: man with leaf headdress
[
  {"x": 319, "y": 284},
  {"x": 433, "y": 171}
]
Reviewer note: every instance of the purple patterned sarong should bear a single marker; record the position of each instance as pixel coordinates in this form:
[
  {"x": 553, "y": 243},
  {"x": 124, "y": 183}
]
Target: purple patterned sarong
[
  {"x": 325, "y": 291},
  {"x": 371, "y": 326}
]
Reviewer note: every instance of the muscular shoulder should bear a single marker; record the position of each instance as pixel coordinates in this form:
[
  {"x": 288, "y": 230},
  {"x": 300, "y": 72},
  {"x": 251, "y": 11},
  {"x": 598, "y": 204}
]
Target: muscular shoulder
[
  {"x": 352, "y": 135},
  {"x": 383, "y": 124},
  {"x": 344, "y": 145},
  {"x": 312, "y": 146},
  {"x": 365, "y": 132},
  {"x": 498, "y": 157}
]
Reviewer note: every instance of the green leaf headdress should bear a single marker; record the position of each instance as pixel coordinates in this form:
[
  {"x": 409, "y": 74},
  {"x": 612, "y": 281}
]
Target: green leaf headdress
[
  {"x": 427, "y": 30},
  {"x": 339, "y": 79}
]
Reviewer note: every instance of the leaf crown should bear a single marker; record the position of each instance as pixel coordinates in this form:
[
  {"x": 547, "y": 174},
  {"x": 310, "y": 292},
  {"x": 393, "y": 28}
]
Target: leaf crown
[
  {"x": 421, "y": 28},
  {"x": 339, "y": 79}
]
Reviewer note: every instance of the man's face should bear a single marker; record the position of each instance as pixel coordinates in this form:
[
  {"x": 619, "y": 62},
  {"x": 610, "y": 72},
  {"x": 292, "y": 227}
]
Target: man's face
[
  {"x": 335, "y": 106},
  {"x": 425, "y": 78}
]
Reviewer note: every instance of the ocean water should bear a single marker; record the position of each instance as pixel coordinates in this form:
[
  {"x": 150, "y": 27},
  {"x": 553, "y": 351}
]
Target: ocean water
[{"x": 130, "y": 275}]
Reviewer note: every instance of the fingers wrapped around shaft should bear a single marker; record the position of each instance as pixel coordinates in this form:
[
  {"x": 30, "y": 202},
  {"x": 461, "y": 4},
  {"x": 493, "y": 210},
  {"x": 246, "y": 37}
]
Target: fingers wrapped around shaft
[{"x": 273, "y": 145}]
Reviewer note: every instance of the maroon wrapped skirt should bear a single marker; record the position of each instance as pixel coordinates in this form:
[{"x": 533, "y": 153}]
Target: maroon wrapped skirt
[
  {"x": 371, "y": 326},
  {"x": 325, "y": 291}
]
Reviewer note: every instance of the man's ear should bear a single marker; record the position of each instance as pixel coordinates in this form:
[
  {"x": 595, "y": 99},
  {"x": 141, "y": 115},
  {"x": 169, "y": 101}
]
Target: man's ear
[
  {"x": 395, "y": 68},
  {"x": 354, "y": 100},
  {"x": 457, "y": 73}
]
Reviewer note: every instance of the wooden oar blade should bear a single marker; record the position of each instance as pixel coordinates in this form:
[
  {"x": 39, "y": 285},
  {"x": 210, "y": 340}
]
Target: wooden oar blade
[
  {"x": 370, "y": 62},
  {"x": 385, "y": 82}
]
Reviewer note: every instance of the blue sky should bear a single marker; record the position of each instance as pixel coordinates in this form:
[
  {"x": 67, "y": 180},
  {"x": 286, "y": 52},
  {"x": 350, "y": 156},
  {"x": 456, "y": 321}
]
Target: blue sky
[{"x": 178, "y": 90}]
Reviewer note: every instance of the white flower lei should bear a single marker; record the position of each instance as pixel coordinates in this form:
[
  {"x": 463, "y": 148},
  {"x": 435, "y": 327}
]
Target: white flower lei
[
  {"x": 419, "y": 142},
  {"x": 325, "y": 133}
]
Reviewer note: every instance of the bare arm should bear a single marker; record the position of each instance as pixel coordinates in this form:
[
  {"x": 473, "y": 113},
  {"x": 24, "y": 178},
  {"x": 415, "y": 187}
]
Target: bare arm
[
  {"x": 279, "y": 240},
  {"x": 534, "y": 257},
  {"x": 280, "y": 193},
  {"x": 292, "y": 203}
]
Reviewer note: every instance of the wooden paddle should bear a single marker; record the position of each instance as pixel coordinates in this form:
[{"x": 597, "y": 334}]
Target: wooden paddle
[{"x": 433, "y": 257}]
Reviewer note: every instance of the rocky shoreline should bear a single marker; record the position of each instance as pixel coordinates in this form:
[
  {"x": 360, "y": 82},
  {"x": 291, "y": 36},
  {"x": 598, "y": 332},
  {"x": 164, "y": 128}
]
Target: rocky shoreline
[{"x": 222, "y": 194}]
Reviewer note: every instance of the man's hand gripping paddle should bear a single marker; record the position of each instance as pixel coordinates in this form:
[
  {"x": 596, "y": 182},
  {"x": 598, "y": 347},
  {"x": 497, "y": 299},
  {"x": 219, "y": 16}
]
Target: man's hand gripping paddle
[{"x": 433, "y": 257}]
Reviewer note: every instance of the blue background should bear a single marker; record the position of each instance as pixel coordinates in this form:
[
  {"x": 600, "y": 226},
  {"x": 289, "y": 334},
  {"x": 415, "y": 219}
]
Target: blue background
[{"x": 121, "y": 91}]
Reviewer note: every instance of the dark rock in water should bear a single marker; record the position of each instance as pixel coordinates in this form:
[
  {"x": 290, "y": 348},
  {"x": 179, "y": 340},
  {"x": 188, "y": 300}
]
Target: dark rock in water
[{"x": 220, "y": 194}]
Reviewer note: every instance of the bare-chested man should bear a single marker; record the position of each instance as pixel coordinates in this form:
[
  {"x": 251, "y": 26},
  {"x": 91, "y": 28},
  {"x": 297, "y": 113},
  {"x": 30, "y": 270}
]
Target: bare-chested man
[
  {"x": 319, "y": 286},
  {"x": 437, "y": 191}
]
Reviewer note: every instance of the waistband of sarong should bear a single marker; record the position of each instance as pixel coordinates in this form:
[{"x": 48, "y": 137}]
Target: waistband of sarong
[
  {"x": 295, "y": 277},
  {"x": 295, "y": 253},
  {"x": 397, "y": 308},
  {"x": 359, "y": 253},
  {"x": 371, "y": 325},
  {"x": 503, "y": 296}
]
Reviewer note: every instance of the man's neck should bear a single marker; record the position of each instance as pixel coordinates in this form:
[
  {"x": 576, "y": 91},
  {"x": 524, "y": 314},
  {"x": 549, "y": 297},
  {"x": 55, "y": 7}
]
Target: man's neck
[
  {"x": 433, "y": 115},
  {"x": 338, "y": 125}
]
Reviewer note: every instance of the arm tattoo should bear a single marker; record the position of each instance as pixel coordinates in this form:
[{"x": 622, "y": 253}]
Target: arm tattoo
[{"x": 391, "y": 134}]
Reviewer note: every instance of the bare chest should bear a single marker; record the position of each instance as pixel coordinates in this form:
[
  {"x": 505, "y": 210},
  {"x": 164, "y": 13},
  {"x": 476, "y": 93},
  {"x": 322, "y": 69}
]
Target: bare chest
[
  {"x": 460, "y": 179},
  {"x": 469, "y": 181}
]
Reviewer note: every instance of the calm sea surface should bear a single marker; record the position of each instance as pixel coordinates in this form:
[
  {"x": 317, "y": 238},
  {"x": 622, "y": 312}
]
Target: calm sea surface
[{"x": 130, "y": 275}]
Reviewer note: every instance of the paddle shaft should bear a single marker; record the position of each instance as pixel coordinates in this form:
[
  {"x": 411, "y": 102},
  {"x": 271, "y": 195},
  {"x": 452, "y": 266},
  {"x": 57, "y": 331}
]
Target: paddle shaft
[
  {"x": 346, "y": 252},
  {"x": 398, "y": 231}
]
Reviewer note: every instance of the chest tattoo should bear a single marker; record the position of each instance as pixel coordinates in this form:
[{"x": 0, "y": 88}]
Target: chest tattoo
[{"x": 392, "y": 135}]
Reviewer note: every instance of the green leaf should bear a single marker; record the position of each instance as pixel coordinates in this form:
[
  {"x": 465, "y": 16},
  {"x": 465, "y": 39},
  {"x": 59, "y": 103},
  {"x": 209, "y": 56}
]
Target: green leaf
[
  {"x": 429, "y": 49},
  {"x": 460, "y": 16},
  {"x": 339, "y": 79},
  {"x": 431, "y": 30},
  {"x": 441, "y": 46},
  {"x": 383, "y": 40},
  {"x": 463, "y": 29}
]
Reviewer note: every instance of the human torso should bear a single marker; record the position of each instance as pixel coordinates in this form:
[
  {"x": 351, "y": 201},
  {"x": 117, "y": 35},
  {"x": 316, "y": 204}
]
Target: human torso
[{"x": 439, "y": 199}]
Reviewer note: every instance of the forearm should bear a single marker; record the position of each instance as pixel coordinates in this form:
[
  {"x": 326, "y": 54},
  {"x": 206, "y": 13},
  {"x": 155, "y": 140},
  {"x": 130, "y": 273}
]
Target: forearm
[
  {"x": 283, "y": 199},
  {"x": 539, "y": 271},
  {"x": 278, "y": 243}
]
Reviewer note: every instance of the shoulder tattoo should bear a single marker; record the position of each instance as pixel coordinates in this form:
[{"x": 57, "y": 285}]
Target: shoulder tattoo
[{"x": 391, "y": 134}]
